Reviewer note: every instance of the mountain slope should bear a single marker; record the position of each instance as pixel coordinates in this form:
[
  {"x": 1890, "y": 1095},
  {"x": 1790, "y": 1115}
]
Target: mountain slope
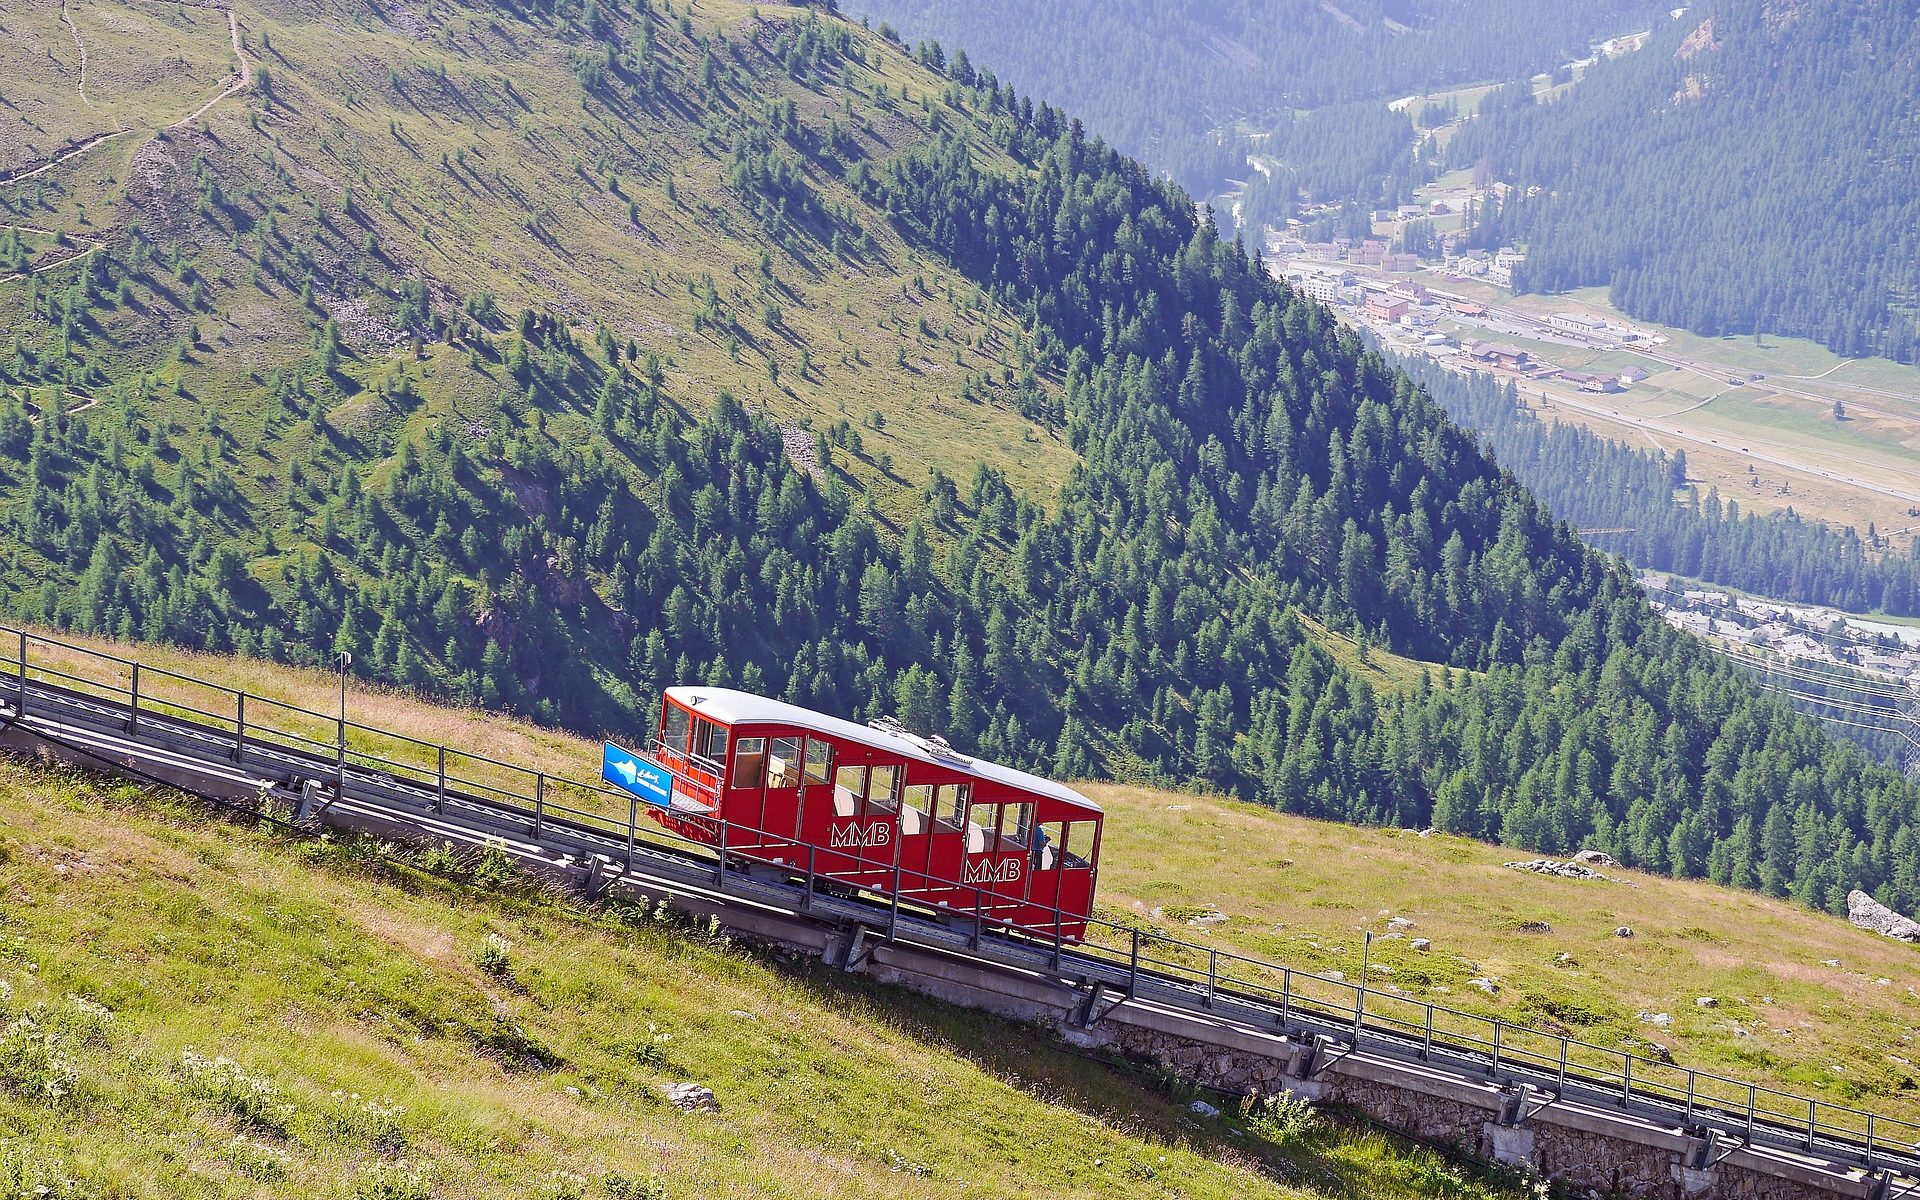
[
  {"x": 223, "y": 1012},
  {"x": 1299, "y": 892},
  {"x": 1757, "y": 167},
  {"x": 544, "y": 517},
  {"x": 1166, "y": 80}
]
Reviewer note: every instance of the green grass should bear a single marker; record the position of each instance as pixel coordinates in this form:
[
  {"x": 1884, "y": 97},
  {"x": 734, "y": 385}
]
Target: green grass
[
  {"x": 195, "y": 1008},
  {"x": 1304, "y": 893}
]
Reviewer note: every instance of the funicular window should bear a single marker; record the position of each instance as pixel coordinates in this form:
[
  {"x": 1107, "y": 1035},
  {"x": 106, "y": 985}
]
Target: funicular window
[
  {"x": 1077, "y": 848},
  {"x": 849, "y": 785},
  {"x": 750, "y": 763},
  {"x": 950, "y": 800},
  {"x": 783, "y": 763},
  {"x": 880, "y": 784},
  {"x": 710, "y": 741},
  {"x": 1046, "y": 846},
  {"x": 983, "y": 827},
  {"x": 1019, "y": 824},
  {"x": 918, "y": 797},
  {"x": 674, "y": 734},
  {"x": 819, "y": 761}
]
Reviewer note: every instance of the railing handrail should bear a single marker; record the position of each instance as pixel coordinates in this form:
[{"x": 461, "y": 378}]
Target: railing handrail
[{"x": 1630, "y": 1082}]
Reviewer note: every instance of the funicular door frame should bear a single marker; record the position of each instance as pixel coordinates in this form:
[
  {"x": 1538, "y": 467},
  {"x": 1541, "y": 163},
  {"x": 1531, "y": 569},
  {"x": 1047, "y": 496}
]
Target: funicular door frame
[{"x": 870, "y": 837}]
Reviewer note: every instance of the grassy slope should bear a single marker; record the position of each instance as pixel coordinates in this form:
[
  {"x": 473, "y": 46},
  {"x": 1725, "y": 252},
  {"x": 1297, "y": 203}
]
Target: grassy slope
[
  {"x": 1302, "y": 892},
  {"x": 345, "y": 982},
  {"x": 477, "y": 162}
]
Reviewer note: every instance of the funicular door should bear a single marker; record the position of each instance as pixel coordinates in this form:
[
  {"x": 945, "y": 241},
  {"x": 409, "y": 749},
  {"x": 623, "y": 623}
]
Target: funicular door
[
  {"x": 764, "y": 790},
  {"x": 1043, "y": 842},
  {"x": 864, "y": 830},
  {"x": 994, "y": 869}
]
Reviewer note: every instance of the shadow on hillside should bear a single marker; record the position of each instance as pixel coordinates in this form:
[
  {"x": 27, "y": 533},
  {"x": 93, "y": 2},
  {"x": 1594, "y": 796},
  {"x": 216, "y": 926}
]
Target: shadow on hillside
[{"x": 1128, "y": 1098}]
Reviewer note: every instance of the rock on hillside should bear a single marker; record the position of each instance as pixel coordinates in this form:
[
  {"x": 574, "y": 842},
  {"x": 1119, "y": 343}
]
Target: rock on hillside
[{"x": 1866, "y": 912}]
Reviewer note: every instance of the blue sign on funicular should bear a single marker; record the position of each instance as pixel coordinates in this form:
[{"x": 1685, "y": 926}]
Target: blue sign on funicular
[{"x": 635, "y": 773}]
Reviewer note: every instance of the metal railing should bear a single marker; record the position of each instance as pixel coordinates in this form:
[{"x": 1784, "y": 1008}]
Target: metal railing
[{"x": 1183, "y": 972}]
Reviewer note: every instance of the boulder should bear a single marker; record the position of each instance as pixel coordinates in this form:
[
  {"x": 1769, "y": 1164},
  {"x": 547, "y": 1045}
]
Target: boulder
[
  {"x": 1399, "y": 923},
  {"x": 1866, "y": 912},
  {"x": 1421, "y": 944},
  {"x": 1200, "y": 1108},
  {"x": 1556, "y": 868},
  {"x": 1595, "y": 858},
  {"x": 691, "y": 1097},
  {"x": 1658, "y": 1020},
  {"x": 1486, "y": 985}
]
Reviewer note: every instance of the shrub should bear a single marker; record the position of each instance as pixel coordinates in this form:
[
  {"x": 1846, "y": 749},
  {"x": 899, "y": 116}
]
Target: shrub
[
  {"x": 374, "y": 1122},
  {"x": 392, "y": 1181},
  {"x": 258, "y": 1160},
  {"x": 1280, "y": 1119},
  {"x": 495, "y": 868},
  {"x": 564, "y": 1185},
  {"x": 249, "y": 1100},
  {"x": 633, "y": 1187},
  {"x": 494, "y": 957},
  {"x": 439, "y": 860},
  {"x": 31, "y": 1064}
]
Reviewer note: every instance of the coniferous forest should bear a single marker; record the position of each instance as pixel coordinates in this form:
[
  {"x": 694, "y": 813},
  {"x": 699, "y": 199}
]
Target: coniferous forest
[
  {"x": 1170, "y": 81},
  {"x": 1246, "y": 475},
  {"x": 1755, "y": 167}
]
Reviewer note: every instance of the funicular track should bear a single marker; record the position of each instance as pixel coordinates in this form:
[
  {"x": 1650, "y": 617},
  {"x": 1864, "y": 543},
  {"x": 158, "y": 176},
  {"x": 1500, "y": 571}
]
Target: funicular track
[{"x": 265, "y": 757}]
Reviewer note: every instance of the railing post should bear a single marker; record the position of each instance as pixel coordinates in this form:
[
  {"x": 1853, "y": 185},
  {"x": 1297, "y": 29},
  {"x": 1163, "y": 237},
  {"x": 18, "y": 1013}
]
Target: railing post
[
  {"x": 539, "y": 802},
  {"x": 1560, "y": 1081},
  {"x": 806, "y": 901},
  {"x": 1426, "y": 1042},
  {"x": 1811, "y": 1102},
  {"x": 633, "y": 807},
  {"x": 720, "y": 859},
  {"x": 1213, "y": 975},
  {"x": 978, "y": 917},
  {"x": 1869, "y": 1141},
  {"x": 1626, "y": 1079},
  {"x": 1752, "y": 1093},
  {"x": 133, "y": 711},
  {"x": 893, "y": 906},
  {"x": 23, "y": 672},
  {"x": 1495, "y": 1068},
  {"x": 1059, "y": 919},
  {"x": 1286, "y": 993},
  {"x": 239, "y": 726},
  {"x": 1133, "y": 968},
  {"x": 1690, "y": 1085},
  {"x": 440, "y": 789}
]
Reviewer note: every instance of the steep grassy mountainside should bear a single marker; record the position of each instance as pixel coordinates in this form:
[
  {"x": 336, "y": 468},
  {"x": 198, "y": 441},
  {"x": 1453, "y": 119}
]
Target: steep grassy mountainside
[
  {"x": 451, "y": 344},
  {"x": 1755, "y": 168},
  {"x": 1302, "y": 893},
  {"x": 191, "y": 1008}
]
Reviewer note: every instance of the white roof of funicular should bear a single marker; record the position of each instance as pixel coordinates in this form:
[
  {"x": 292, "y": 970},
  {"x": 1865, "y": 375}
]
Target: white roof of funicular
[{"x": 745, "y": 708}]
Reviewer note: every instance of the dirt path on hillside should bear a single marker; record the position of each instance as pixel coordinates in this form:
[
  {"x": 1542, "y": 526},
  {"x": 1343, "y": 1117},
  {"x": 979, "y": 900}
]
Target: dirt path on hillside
[
  {"x": 66, "y": 14},
  {"x": 92, "y": 245},
  {"x": 244, "y": 80},
  {"x": 25, "y": 173}
]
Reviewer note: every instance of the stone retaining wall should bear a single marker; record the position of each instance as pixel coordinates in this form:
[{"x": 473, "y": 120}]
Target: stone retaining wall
[{"x": 1592, "y": 1153}]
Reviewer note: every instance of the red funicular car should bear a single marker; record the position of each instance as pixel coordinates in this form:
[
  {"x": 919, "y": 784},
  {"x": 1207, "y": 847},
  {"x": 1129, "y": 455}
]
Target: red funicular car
[{"x": 875, "y": 807}]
